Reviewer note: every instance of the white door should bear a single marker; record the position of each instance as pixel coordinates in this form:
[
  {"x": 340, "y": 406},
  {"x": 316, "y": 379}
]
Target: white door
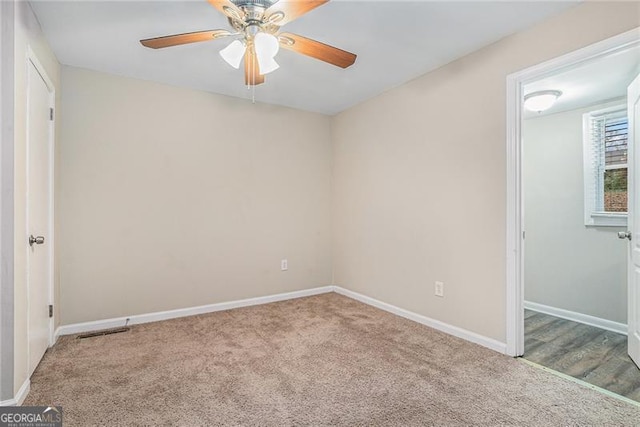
[
  {"x": 633, "y": 97},
  {"x": 39, "y": 128}
]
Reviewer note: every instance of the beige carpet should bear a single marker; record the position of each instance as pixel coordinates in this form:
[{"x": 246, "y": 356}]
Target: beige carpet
[{"x": 322, "y": 360}]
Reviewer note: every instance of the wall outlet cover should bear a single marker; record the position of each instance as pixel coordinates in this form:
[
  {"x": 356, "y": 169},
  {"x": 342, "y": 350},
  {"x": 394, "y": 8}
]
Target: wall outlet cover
[{"x": 439, "y": 289}]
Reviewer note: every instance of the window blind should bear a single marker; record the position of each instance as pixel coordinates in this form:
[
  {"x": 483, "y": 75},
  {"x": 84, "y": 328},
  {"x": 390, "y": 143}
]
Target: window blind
[
  {"x": 608, "y": 135},
  {"x": 616, "y": 132}
]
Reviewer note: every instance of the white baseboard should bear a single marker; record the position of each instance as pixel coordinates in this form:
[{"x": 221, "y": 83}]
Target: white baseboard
[
  {"x": 609, "y": 325},
  {"x": 490, "y": 343},
  {"x": 19, "y": 397},
  {"x": 23, "y": 392},
  {"x": 78, "y": 328}
]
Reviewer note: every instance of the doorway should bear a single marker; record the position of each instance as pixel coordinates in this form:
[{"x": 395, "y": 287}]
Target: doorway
[
  {"x": 40, "y": 128},
  {"x": 544, "y": 222}
]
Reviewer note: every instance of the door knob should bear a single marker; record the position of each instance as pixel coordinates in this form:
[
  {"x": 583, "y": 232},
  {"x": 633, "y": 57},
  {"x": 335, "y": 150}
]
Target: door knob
[
  {"x": 624, "y": 235},
  {"x": 38, "y": 240}
]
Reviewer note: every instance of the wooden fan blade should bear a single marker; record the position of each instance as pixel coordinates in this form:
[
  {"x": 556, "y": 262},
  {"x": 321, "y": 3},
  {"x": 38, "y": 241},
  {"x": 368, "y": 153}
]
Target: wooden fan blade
[
  {"x": 178, "y": 39},
  {"x": 290, "y": 9},
  {"x": 252, "y": 76},
  {"x": 227, "y": 8},
  {"x": 317, "y": 50}
]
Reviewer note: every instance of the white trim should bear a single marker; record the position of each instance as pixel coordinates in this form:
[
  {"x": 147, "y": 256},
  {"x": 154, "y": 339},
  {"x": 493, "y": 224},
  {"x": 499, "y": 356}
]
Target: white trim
[
  {"x": 427, "y": 321},
  {"x": 633, "y": 257},
  {"x": 77, "y": 328},
  {"x": 620, "y": 108},
  {"x": 614, "y": 167},
  {"x": 609, "y": 325},
  {"x": 607, "y": 219},
  {"x": 19, "y": 398},
  {"x": 514, "y": 224},
  {"x": 593, "y": 189},
  {"x": 23, "y": 392},
  {"x": 7, "y": 122}
]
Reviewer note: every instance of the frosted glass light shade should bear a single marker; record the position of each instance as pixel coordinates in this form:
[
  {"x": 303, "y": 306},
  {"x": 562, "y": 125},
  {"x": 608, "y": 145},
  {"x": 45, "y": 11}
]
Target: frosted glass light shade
[
  {"x": 267, "y": 65},
  {"x": 542, "y": 100},
  {"x": 234, "y": 53},
  {"x": 267, "y": 47}
]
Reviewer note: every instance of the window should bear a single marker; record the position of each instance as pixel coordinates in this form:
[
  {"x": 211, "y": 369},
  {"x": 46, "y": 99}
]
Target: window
[{"x": 605, "y": 167}]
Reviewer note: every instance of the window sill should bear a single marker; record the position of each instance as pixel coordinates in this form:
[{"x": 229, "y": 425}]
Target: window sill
[{"x": 597, "y": 219}]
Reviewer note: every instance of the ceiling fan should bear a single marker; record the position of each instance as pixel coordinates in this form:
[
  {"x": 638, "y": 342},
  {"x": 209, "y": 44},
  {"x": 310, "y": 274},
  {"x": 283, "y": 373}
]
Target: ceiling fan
[{"x": 256, "y": 27}]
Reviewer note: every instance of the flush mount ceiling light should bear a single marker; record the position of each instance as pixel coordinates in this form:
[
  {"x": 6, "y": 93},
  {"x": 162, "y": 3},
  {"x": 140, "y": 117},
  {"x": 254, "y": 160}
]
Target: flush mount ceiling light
[
  {"x": 541, "y": 100},
  {"x": 256, "y": 26}
]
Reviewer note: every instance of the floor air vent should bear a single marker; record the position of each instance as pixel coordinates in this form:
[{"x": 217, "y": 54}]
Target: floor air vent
[{"x": 104, "y": 332}]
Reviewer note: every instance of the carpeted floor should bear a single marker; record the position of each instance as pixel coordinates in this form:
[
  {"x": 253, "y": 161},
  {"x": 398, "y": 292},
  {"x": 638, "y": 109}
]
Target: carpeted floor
[{"x": 321, "y": 360}]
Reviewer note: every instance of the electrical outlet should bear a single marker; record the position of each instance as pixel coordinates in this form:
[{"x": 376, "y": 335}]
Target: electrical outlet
[
  {"x": 439, "y": 289},
  {"x": 284, "y": 265}
]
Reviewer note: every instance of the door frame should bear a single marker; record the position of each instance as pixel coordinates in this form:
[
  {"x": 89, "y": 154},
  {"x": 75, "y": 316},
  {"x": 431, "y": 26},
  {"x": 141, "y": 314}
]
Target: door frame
[
  {"x": 7, "y": 71},
  {"x": 515, "y": 191},
  {"x": 32, "y": 59}
]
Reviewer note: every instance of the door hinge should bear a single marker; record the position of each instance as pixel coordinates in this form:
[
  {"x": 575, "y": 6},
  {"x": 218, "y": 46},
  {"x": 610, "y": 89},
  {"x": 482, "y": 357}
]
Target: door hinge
[
  {"x": 523, "y": 234},
  {"x": 51, "y": 114},
  {"x": 50, "y": 310}
]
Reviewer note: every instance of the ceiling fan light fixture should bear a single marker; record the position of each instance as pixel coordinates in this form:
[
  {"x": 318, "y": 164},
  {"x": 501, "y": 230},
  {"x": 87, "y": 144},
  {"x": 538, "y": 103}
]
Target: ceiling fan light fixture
[
  {"x": 267, "y": 47},
  {"x": 267, "y": 65},
  {"x": 254, "y": 25},
  {"x": 234, "y": 53},
  {"x": 541, "y": 100}
]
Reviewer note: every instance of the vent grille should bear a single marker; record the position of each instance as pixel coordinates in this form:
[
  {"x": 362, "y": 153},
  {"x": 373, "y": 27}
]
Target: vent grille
[{"x": 103, "y": 332}]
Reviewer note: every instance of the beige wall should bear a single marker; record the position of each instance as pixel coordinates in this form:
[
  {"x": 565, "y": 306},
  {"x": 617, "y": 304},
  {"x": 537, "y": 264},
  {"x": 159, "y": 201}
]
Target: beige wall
[
  {"x": 172, "y": 198},
  {"x": 567, "y": 264},
  {"x": 419, "y": 176},
  {"x": 27, "y": 34}
]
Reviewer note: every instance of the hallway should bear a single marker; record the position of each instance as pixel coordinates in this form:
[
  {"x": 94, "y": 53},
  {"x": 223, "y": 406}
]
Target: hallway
[{"x": 585, "y": 352}]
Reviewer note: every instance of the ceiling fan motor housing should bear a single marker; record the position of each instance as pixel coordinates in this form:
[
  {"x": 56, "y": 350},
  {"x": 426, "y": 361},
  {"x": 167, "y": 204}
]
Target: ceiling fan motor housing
[
  {"x": 262, "y": 4},
  {"x": 253, "y": 16}
]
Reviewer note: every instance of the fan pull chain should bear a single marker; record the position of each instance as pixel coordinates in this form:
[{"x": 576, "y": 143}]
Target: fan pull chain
[
  {"x": 254, "y": 58},
  {"x": 252, "y": 78},
  {"x": 250, "y": 62}
]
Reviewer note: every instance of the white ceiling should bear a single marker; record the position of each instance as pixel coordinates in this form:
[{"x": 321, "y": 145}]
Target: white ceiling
[
  {"x": 395, "y": 41},
  {"x": 590, "y": 83}
]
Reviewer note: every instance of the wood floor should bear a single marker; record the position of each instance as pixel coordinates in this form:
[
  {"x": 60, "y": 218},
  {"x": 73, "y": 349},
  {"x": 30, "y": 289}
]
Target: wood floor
[{"x": 590, "y": 354}]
